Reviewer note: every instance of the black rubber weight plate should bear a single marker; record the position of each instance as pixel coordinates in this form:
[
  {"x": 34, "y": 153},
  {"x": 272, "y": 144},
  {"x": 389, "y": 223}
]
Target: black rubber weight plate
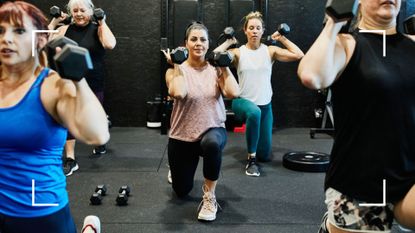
[{"x": 306, "y": 161}]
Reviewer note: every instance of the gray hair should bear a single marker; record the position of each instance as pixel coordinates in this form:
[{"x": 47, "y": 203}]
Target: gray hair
[{"x": 87, "y": 3}]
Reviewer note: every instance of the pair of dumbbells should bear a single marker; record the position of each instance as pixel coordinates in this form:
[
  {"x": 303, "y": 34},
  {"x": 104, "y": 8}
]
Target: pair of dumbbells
[
  {"x": 101, "y": 191},
  {"x": 56, "y": 12},
  {"x": 221, "y": 59}
]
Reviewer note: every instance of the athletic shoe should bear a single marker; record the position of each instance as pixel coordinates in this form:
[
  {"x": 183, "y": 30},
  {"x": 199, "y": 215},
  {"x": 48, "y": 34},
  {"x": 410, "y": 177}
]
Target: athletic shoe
[
  {"x": 91, "y": 224},
  {"x": 99, "y": 150},
  {"x": 252, "y": 168},
  {"x": 208, "y": 206},
  {"x": 69, "y": 166},
  {"x": 169, "y": 177},
  {"x": 323, "y": 226}
]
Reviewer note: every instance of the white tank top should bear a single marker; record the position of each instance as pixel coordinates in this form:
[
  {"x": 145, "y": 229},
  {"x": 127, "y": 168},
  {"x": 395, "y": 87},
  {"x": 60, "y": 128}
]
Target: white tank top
[{"x": 254, "y": 74}]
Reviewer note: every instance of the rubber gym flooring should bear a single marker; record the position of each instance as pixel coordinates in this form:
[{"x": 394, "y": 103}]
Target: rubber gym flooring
[{"x": 279, "y": 201}]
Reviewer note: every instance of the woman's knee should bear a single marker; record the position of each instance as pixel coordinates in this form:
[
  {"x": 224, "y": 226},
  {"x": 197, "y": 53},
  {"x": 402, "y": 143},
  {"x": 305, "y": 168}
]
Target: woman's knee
[
  {"x": 181, "y": 190},
  {"x": 210, "y": 145},
  {"x": 404, "y": 210},
  {"x": 254, "y": 115}
]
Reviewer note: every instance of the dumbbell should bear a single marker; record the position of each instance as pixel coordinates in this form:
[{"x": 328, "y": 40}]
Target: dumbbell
[
  {"x": 100, "y": 191},
  {"x": 409, "y": 25},
  {"x": 99, "y": 14},
  {"x": 53, "y": 44},
  {"x": 179, "y": 55},
  {"x": 221, "y": 59},
  {"x": 56, "y": 12},
  {"x": 123, "y": 193},
  {"x": 283, "y": 29},
  {"x": 73, "y": 62},
  {"x": 228, "y": 33},
  {"x": 342, "y": 10}
]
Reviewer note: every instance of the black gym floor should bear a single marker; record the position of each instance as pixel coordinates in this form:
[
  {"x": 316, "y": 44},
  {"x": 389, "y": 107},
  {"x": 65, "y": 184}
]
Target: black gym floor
[{"x": 280, "y": 200}]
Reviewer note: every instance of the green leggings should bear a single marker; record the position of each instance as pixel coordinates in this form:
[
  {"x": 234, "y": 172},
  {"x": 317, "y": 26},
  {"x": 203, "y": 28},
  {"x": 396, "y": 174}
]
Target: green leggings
[{"x": 258, "y": 119}]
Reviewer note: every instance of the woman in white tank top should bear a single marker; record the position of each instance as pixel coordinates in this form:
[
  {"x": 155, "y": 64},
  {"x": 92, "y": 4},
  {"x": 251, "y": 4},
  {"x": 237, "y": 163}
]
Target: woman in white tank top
[{"x": 254, "y": 65}]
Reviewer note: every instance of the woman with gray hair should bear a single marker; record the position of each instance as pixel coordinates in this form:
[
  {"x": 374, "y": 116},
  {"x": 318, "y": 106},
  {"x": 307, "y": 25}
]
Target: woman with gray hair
[{"x": 95, "y": 36}]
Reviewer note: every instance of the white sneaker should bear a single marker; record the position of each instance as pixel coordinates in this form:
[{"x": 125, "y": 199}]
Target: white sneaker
[
  {"x": 169, "y": 177},
  {"x": 208, "y": 206},
  {"x": 403, "y": 229},
  {"x": 91, "y": 224}
]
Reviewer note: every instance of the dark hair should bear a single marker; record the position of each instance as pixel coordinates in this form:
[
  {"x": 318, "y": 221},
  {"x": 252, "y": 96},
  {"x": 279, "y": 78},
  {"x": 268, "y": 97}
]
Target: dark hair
[
  {"x": 13, "y": 12},
  {"x": 195, "y": 25}
]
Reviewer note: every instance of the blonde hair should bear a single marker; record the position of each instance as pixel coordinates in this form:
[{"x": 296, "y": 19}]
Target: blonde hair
[{"x": 253, "y": 15}]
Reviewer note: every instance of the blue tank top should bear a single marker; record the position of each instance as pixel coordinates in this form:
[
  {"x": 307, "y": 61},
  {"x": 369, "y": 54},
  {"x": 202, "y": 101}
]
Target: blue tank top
[{"x": 31, "y": 145}]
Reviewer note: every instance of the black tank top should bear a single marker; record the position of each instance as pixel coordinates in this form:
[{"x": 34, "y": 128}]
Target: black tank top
[
  {"x": 374, "y": 117},
  {"x": 87, "y": 37}
]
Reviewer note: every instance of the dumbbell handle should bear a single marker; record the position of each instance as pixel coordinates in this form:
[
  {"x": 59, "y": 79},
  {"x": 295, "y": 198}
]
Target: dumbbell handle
[{"x": 124, "y": 192}]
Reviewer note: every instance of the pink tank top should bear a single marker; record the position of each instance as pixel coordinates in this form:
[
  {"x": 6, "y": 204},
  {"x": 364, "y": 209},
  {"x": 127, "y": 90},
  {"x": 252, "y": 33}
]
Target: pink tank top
[{"x": 203, "y": 106}]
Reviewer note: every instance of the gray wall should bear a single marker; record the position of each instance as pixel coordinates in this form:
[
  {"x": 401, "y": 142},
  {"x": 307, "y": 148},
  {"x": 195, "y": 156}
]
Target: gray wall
[{"x": 134, "y": 65}]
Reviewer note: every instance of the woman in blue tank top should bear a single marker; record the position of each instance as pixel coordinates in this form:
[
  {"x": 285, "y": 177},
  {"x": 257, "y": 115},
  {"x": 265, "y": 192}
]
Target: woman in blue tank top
[
  {"x": 253, "y": 62},
  {"x": 37, "y": 107},
  {"x": 373, "y": 95}
]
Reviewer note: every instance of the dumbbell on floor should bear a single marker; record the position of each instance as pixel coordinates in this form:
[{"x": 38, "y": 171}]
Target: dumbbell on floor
[
  {"x": 100, "y": 191},
  {"x": 123, "y": 193}
]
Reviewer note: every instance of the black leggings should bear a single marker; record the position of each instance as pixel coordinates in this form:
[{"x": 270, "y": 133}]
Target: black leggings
[{"x": 184, "y": 157}]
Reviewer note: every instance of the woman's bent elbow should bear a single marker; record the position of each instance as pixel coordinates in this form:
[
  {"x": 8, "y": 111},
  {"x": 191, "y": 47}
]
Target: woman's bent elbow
[
  {"x": 309, "y": 80},
  {"x": 100, "y": 139}
]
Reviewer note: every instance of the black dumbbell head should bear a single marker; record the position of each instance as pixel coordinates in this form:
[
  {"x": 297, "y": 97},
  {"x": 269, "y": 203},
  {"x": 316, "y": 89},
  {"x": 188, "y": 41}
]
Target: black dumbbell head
[
  {"x": 409, "y": 25},
  {"x": 67, "y": 20},
  {"x": 229, "y": 32},
  {"x": 223, "y": 59},
  {"x": 51, "y": 46},
  {"x": 101, "y": 188},
  {"x": 179, "y": 55},
  {"x": 125, "y": 188},
  {"x": 96, "y": 198},
  {"x": 55, "y": 12},
  {"x": 99, "y": 14},
  {"x": 342, "y": 10},
  {"x": 283, "y": 29},
  {"x": 123, "y": 193},
  {"x": 73, "y": 62},
  {"x": 60, "y": 42}
]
